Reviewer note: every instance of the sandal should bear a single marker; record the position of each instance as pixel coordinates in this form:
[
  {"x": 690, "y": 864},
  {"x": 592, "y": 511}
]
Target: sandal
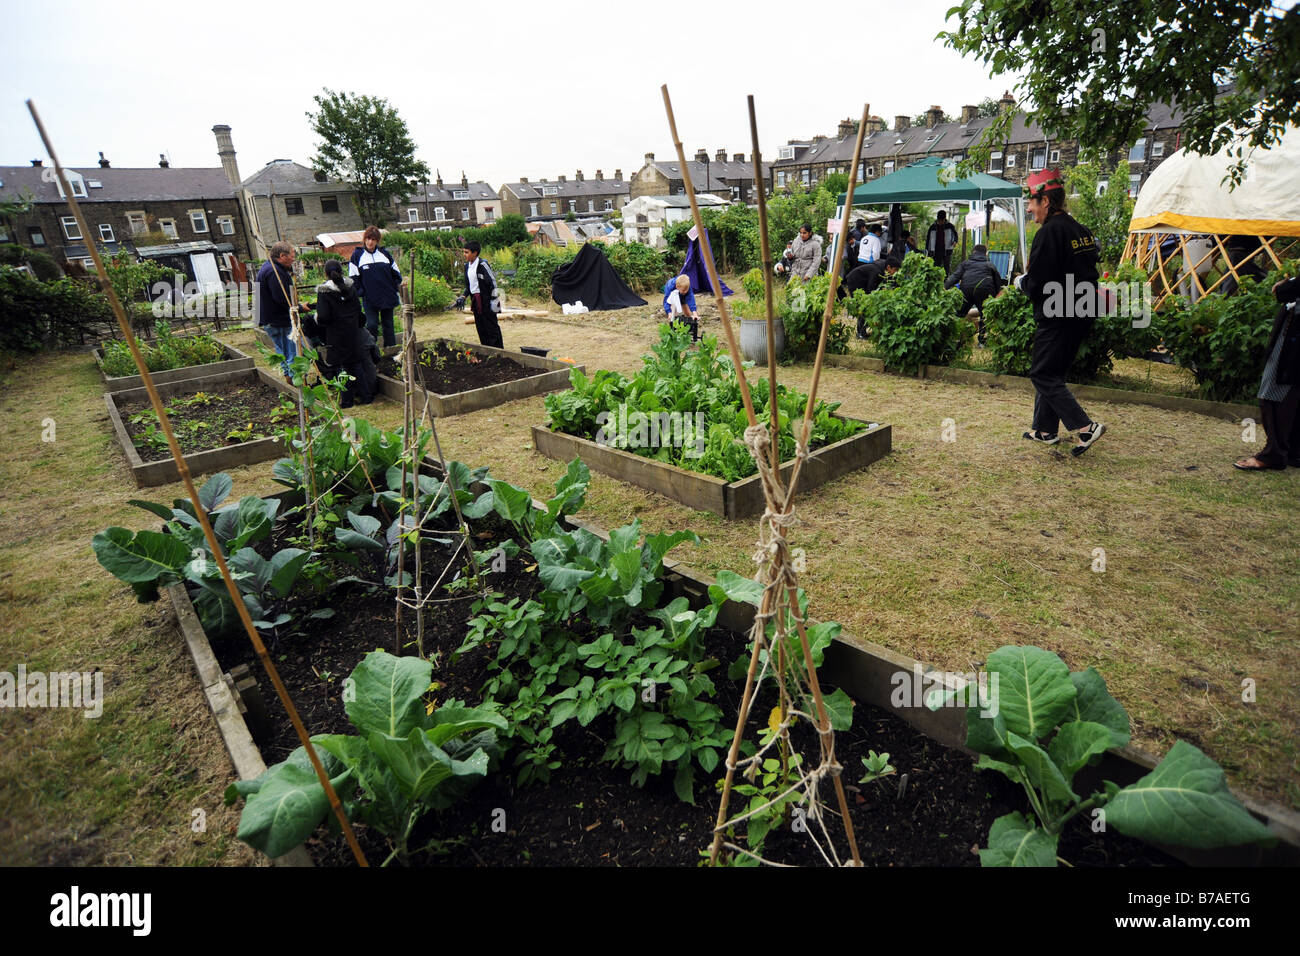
[
  {"x": 1258, "y": 466},
  {"x": 1087, "y": 438},
  {"x": 1043, "y": 438}
]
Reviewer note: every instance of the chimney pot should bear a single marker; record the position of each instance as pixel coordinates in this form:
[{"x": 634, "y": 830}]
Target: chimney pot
[
  {"x": 738, "y": 158},
  {"x": 162, "y": 161},
  {"x": 649, "y": 158},
  {"x": 578, "y": 176},
  {"x": 464, "y": 180},
  {"x": 600, "y": 174},
  {"x": 560, "y": 179},
  {"x": 103, "y": 163},
  {"x": 968, "y": 113},
  {"x": 37, "y": 162},
  {"x": 524, "y": 180},
  {"x": 701, "y": 155},
  {"x": 721, "y": 157},
  {"x": 902, "y": 122},
  {"x": 933, "y": 116},
  {"x": 1007, "y": 102},
  {"x": 618, "y": 173}
]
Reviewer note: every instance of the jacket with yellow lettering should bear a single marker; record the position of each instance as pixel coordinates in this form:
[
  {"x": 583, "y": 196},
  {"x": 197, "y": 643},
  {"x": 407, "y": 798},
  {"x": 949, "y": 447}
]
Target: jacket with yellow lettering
[{"x": 1064, "y": 252}]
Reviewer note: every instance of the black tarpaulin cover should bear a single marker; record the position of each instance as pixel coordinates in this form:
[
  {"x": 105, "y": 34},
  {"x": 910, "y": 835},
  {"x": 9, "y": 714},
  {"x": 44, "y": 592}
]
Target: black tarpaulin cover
[{"x": 591, "y": 280}]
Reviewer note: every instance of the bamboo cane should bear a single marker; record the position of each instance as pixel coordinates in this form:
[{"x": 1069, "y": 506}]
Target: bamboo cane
[
  {"x": 760, "y": 189},
  {"x": 200, "y": 512}
]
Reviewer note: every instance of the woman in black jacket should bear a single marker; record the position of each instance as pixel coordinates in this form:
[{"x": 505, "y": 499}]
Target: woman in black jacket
[
  {"x": 1279, "y": 389},
  {"x": 339, "y": 314}
]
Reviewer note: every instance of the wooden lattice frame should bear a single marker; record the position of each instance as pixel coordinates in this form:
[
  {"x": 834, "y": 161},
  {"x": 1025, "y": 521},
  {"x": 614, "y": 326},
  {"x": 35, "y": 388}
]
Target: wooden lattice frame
[{"x": 1143, "y": 249}]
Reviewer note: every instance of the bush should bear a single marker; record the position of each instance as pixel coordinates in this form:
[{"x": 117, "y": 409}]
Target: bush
[
  {"x": 640, "y": 266},
  {"x": 42, "y": 266},
  {"x": 432, "y": 294},
  {"x": 535, "y": 267},
  {"x": 752, "y": 283},
  {"x": 801, "y": 312},
  {"x": 316, "y": 258},
  {"x": 913, "y": 318},
  {"x": 58, "y": 314},
  {"x": 1224, "y": 339},
  {"x": 167, "y": 352}
]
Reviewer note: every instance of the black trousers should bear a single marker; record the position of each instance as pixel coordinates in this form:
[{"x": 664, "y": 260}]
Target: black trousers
[
  {"x": 1056, "y": 343},
  {"x": 1281, "y": 421},
  {"x": 489, "y": 329},
  {"x": 373, "y": 317}
]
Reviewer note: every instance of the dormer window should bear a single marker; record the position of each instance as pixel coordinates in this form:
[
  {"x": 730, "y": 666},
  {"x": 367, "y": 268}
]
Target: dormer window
[
  {"x": 785, "y": 152},
  {"x": 460, "y": 194}
]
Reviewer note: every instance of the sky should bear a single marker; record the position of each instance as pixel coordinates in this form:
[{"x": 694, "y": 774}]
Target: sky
[{"x": 500, "y": 90}]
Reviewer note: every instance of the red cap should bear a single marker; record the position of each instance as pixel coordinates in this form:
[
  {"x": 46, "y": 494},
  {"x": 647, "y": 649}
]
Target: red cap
[{"x": 1044, "y": 179}]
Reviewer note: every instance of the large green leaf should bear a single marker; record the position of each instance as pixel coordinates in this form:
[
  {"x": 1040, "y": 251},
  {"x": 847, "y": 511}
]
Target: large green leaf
[
  {"x": 1076, "y": 743},
  {"x": 249, "y": 562},
  {"x": 455, "y": 721},
  {"x": 286, "y": 565},
  {"x": 1185, "y": 801},
  {"x": 986, "y": 735},
  {"x": 839, "y": 708},
  {"x": 288, "y": 803},
  {"x": 355, "y": 541},
  {"x": 1034, "y": 691},
  {"x": 417, "y": 765},
  {"x": 1094, "y": 703},
  {"x": 570, "y": 490},
  {"x": 1014, "y": 840},
  {"x": 510, "y": 502},
  {"x": 1043, "y": 772},
  {"x": 387, "y": 694},
  {"x": 144, "y": 556},
  {"x": 162, "y": 511},
  {"x": 214, "y": 491},
  {"x": 731, "y": 585},
  {"x": 657, "y": 545}
]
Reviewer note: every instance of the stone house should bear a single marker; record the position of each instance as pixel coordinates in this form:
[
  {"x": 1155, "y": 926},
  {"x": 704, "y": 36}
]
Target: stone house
[
  {"x": 196, "y": 208},
  {"x": 286, "y": 200},
  {"x": 557, "y": 198},
  {"x": 731, "y": 178},
  {"x": 645, "y": 217},
  {"x": 435, "y": 206}
]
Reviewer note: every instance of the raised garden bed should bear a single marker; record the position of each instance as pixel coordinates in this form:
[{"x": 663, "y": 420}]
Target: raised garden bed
[
  {"x": 211, "y": 451},
  {"x": 234, "y": 361},
  {"x": 730, "y": 499},
  {"x": 458, "y": 386},
  {"x": 935, "y": 811}
]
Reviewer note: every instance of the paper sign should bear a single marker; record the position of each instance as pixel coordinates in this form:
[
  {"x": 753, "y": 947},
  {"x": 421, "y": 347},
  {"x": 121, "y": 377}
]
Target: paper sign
[
  {"x": 832, "y": 227},
  {"x": 694, "y": 233}
]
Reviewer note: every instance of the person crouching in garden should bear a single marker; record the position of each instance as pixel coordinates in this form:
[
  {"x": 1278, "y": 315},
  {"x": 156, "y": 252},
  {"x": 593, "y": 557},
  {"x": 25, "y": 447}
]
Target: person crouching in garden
[
  {"x": 484, "y": 298},
  {"x": 1062, "y": 261},
  {"x": 1279, "y": 390},
  {"x": 978, "y": 279},
  {"x": 339, "y": 316},
  {"x": 381, "y": 282},
  {"x": 679, "y": 300}
]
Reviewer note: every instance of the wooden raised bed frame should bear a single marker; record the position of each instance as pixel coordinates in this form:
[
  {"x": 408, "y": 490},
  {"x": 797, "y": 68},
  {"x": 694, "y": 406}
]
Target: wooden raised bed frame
[
  {"x": 867, "y": 671},
  {"x": 552, "y": 375},
  {"x": 147, "y": 474},
  {"x": 735, "y": 499},
  {"x": 234, "y": 361}
]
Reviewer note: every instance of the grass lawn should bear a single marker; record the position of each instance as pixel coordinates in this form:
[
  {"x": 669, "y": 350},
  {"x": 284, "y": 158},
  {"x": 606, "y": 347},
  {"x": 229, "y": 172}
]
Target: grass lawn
[{"x": 943, "y": 550}]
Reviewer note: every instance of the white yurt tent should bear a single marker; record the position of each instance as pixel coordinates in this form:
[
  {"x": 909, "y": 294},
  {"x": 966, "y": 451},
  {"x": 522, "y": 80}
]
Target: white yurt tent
[{"x": 1187, "y": 203}]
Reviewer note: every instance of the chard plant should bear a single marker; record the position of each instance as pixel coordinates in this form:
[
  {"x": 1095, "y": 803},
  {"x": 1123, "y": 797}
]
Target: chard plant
[
  {"x": 407, "y": 759},
  {"x": 1048, "y": 724}
]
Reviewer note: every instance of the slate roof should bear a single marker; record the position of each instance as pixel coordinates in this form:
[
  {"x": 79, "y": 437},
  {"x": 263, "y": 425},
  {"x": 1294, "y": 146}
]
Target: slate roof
[
  {"x": 721, "y": 173},
  {"x": 150, "y": 184},
  {"x": 288, "y": 177},
  {"x": 433, "y": 193},
  {"x": 570, "y": 188}
]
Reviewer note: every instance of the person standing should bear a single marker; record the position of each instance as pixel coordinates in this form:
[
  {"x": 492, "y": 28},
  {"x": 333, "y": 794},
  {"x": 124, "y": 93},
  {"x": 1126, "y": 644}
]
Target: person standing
[
  {"x": 807, "y": 252},
  {"x": 1062, "y": 264},
  {"x": 871, "y": 248},
  {"x": 1279, "y": 389},
  {"x": 485, "y": 299},
  {"x": 940, "y": 240},
  {"x": 338, "y": 313},
  {"x": 381, "y": 282},
  {"x": 275, "y": 299},
  {"x": 679, "y": 299}
]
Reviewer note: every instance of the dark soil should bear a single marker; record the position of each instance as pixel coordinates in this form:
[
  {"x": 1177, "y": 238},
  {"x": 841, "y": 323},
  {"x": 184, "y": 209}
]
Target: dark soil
[
  {"x": 589, "y": 814},
  {"x": 229, "y": 415},
  {"x": 444, "y": 370}
]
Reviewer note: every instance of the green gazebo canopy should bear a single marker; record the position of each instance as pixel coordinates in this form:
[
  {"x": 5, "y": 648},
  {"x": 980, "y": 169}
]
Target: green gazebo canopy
[{"x": 919, "y": 182}]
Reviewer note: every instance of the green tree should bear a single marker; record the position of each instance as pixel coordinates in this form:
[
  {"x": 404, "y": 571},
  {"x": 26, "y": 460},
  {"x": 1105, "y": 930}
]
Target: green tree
[
  {"x": 987, "y": 108},
  {"x": 836, "y": 182},
  {"x": 366, "y": 144},
  {"x": 1092, "y": 71},
  {"x": 1107, "y": 213}
]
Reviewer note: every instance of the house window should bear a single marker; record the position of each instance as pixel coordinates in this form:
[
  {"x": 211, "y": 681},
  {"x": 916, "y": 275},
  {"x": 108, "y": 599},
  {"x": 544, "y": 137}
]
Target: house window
[
  {"x": 1134, "y": 184},
  {"x": 136, "y": 223},
  {"x": 550, "y": 191},
  {"x": 807, "y": 177},
  {"x": 995, "y": 162},
  {"x": 1055, "y": 157},
  {"x": 532, "y": 209},
  {"x": 464, "y": 212},
  {"x": 735, "y": 193},
  {"x": 889, "y": 166},
  {"x": 198, "y": 220},
  {"x": 554, "y": 209},
  {"x": 609, "y": 207},
  {"x": 106, "y": 232},
  {"x": 1157, "y": 150},
  {"x": 329, "y": 204},
  {"x": 440, "y": 213},
  {"x": 1011, "y": 160},
  {"x": 862, "y": 171},
  {"x": 168, "y": 226},
  {"x": 460, "y": 194},
  {"x": 1138, "y": 153},
  {"x": 871, "y": 171},
  {"x": 70, "y": 228},
  {"x": 293, "y": 206},
  {"x": 785, "y": 152},
  {"x": 573, "y": 205},
  {"x": 4, "y": 234},
  {"x": 77, "y": 183},
  {"x": 226, "y": 224},
  {"x": 490, "y": 213},
  {"x": 1102, "y": 185},
  {"x": 591, "y": 205},
  {"x": 412, "y": 215},
  {"x": 1038, "y": 157},
  {"x": 780, "y": 178},
  {"x": 35, "y": 236}
]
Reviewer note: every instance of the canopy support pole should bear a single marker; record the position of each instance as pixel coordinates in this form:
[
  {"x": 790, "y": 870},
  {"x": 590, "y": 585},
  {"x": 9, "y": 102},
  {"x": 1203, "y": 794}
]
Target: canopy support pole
[{"x": 1020, "y": 224}]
